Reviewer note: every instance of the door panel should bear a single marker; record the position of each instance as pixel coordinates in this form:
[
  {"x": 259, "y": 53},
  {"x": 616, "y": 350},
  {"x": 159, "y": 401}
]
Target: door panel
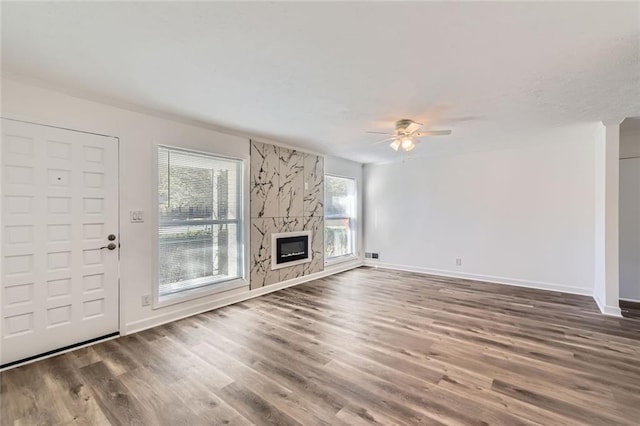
[{"x": 59, "y": 204}]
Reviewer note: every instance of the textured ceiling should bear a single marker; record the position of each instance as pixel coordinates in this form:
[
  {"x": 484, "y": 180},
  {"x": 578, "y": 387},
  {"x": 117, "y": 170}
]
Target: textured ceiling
[{"x": 318, "y": 75}]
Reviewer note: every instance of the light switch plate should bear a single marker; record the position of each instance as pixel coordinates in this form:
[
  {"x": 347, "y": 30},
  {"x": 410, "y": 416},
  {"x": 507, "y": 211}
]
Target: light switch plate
[{"x": 136, "y": 216}]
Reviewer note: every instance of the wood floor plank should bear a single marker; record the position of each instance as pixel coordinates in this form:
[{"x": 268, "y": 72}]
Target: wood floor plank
[
  {"x": 358, "y": 416},
  {"x": 284, "y": 373},
  {"x": 115, "y": 400},
  {"x": 34, "y": 403},
  {"x": 254, "y": 407},
  {"x": 368, "y": 346},
  {"x": 207, "y": 406},
  {"x": 272, "y": 390},
  {"x": 581, "y": 414},
  {"x": 65, "y": 381}
]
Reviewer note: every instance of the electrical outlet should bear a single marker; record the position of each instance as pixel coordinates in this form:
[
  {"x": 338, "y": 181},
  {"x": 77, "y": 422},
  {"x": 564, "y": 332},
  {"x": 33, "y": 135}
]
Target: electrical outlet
[
  {"x": 146, "y": 300},
  {"x": 367, "y": 255},
  {"x": 374, "y": 255},
  {"x": 136, "y": 216},
  {"x": 459, "y": 261}
]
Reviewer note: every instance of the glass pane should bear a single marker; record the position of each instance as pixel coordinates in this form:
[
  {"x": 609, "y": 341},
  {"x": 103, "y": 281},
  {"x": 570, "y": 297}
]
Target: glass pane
[
  {"x": 340, "y": 197},
  {"x": 196, "y": 187},
  {"x": 339, "y": 216},
  {"x": 195, "y": 255},
  {"x": 338, "y": 237}
]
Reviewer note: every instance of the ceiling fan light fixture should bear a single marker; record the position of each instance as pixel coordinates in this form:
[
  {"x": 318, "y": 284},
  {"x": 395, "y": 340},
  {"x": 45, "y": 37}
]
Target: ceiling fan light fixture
[
  {"x": 408, "y": 143},
  {"x": 406, "y": 134}
]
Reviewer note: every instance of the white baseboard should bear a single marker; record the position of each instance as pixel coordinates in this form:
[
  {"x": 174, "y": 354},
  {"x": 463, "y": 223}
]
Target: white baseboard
[
  {"x": 630, "y": 300},
  {"x": 613, "y": 311},
  {"x": 154, "y": 321},
  {"x": 486, "y": 278}
]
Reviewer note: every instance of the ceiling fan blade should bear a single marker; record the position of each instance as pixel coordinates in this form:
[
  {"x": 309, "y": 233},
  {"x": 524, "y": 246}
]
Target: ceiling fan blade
[
  {"x": 433, "y": 133},
  {"x": 385, "y": 140},
  {"x": 382, "y": 133}
]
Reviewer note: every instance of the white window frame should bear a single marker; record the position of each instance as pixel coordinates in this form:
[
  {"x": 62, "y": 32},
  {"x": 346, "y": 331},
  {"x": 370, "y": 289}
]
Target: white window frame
[
  {"x": 213, "y": 287},
  {"x": 354, "y": 237}
]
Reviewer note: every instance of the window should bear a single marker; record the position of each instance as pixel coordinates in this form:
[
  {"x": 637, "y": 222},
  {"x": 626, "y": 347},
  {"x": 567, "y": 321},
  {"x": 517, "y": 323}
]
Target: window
[
  {"x": 339, "y": 216},
  {"x": 200, "y": 220}
]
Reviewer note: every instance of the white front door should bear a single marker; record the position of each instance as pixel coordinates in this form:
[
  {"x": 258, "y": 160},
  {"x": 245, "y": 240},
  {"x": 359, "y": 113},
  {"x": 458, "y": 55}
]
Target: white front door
[{"x": 59, "y": 204}]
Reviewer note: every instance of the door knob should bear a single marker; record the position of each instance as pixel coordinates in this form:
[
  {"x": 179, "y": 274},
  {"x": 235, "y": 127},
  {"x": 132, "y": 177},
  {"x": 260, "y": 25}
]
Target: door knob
[
  {"x": 110, "y": 246},
  {"x": 111, "y": 237}
]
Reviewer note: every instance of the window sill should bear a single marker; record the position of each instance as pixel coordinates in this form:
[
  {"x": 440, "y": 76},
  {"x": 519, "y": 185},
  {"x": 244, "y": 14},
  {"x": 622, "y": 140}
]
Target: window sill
[
  {"x": 340, "y": 259},
  {"x": 196, "y": 293}
]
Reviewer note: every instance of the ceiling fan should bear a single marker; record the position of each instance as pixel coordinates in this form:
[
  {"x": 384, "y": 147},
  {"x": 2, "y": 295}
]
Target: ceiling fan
[{"x": 407, "y": 131}]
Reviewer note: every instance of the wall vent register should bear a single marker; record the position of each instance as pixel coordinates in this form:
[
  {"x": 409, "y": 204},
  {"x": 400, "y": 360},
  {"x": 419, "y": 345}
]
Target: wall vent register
[{"x": 290, "y": 249}]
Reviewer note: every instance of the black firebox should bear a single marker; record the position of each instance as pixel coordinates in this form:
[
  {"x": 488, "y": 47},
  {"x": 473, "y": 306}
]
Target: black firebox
[{"x": 291, "y": 249}]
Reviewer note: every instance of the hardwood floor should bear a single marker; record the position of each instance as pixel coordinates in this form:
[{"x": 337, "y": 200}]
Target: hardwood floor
[{"x": 366, "y": 346}]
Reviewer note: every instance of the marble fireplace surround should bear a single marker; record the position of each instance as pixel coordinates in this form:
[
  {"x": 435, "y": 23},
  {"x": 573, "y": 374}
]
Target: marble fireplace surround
[{"x": 287, "y": 195}]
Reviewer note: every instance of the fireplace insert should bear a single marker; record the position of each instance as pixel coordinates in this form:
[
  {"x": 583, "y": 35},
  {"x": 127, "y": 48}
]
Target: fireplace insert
[{"x": 290, "y": 248}]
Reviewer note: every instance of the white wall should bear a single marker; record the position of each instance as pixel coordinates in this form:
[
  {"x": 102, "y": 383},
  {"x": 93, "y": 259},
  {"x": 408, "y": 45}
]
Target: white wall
[
  {"x": 139, "y": 134},
  {"x": 630, "y": 210},
  {"x": 521, "y": 216},
  {"x": 345, "y": 168}
]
